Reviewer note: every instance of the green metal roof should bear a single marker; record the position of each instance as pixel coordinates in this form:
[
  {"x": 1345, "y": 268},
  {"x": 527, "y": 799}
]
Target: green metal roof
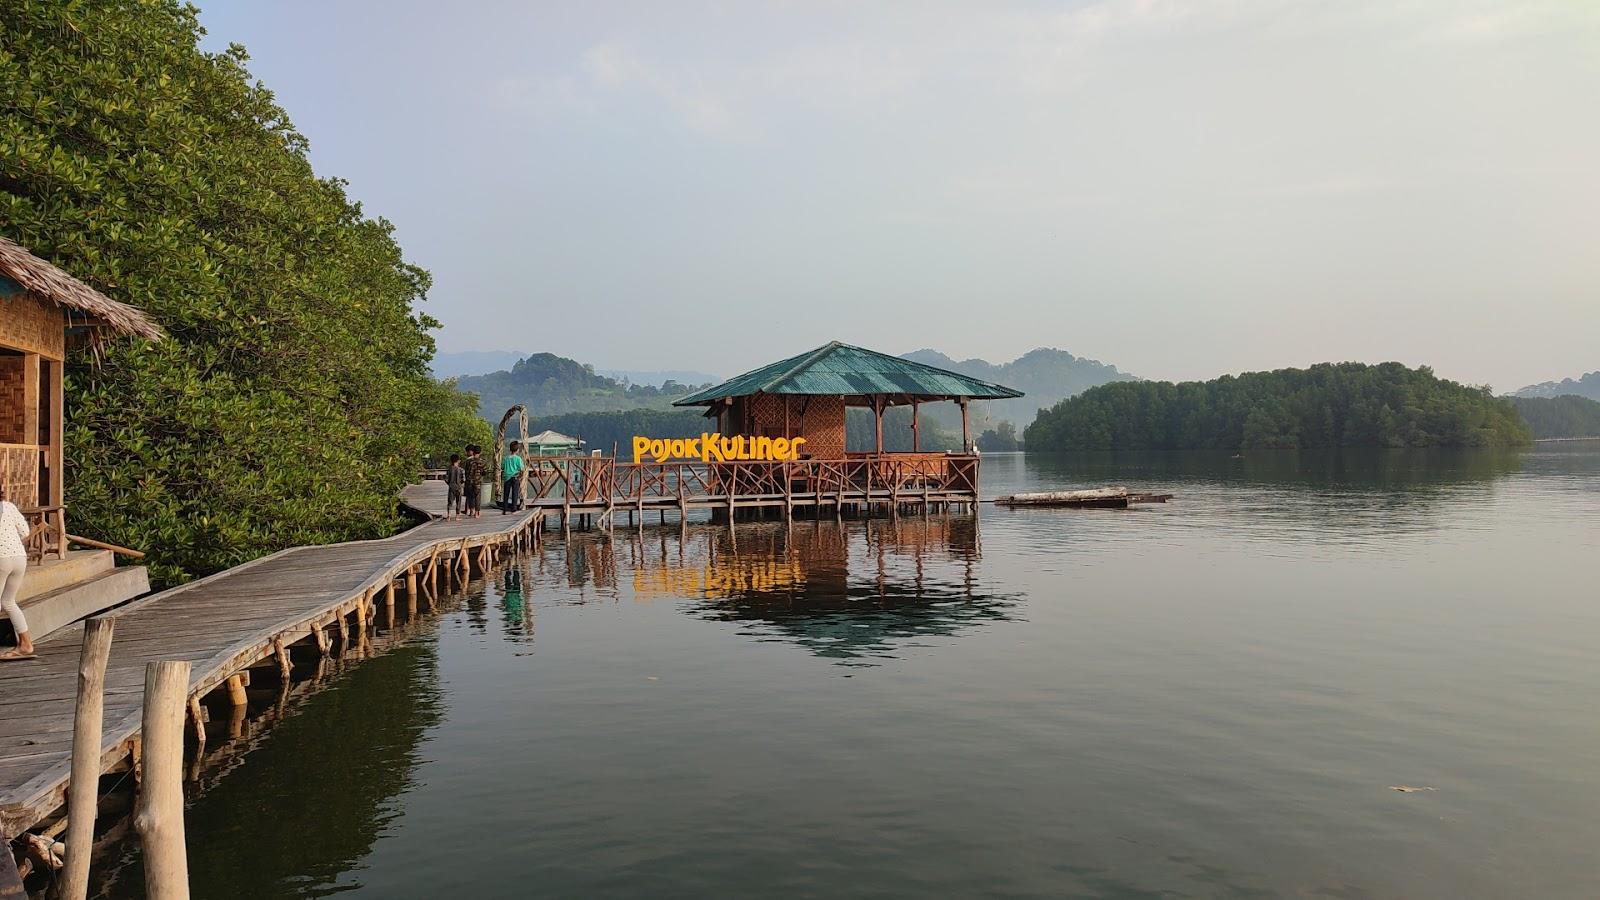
[{"x": 851, "y": 371}]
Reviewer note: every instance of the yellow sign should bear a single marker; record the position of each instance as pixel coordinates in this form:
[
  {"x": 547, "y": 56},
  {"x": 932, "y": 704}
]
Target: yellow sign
[{"x": 710, "y": 447}]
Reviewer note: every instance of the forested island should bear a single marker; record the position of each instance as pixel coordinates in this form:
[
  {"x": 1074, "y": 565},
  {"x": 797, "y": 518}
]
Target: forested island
[
  {"x": 291, "y": 399},
  {"x": 1326, "y": 405},
  {"x": 1566, "y": 416}
]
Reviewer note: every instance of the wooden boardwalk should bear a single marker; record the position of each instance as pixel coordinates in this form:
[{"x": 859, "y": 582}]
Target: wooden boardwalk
[{"x": 324, "y": 599}]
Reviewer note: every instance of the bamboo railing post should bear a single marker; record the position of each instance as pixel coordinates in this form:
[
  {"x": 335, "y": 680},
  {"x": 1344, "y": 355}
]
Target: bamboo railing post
[
  {"x": 159, "y": 820},
  {"x": 83, "y": 789}
]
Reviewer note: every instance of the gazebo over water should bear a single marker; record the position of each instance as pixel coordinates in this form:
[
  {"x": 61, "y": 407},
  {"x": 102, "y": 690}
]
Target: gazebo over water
[
  {"x": 806, "y": 396},
  {"x": 797, "y": 403}
]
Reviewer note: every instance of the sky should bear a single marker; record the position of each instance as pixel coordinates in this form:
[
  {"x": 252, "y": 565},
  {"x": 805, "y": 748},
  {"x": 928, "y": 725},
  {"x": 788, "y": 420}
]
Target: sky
[{"x": 1181, "y": 189}]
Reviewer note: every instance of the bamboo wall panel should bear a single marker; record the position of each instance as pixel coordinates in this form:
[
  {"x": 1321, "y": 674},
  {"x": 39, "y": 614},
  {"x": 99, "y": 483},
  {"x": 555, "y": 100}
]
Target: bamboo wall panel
[{"x": 27, "y": 323}]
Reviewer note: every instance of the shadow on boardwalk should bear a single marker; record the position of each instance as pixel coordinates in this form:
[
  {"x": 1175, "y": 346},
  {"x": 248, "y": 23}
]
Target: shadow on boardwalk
[{"x": 260, "y": 615}]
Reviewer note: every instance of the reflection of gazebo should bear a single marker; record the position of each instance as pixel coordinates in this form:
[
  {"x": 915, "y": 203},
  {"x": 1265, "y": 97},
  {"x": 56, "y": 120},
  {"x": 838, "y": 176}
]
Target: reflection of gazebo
[{"x": 847, "y": 592}]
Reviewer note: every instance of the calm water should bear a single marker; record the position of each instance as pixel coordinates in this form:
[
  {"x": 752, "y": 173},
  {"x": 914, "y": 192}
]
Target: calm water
[{"x": 1210, "y": 698}]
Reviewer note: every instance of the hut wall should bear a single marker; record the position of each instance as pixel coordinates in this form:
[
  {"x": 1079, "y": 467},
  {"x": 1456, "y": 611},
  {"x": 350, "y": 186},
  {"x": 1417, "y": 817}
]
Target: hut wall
[
  {"x": 822, "y": 424},
  {"x": 13, "y": 408},
  {"x": 27, "y": 323}
]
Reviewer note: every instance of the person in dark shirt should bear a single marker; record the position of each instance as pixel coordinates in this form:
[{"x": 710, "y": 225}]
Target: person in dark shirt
[{"x": 455, "y": 479}]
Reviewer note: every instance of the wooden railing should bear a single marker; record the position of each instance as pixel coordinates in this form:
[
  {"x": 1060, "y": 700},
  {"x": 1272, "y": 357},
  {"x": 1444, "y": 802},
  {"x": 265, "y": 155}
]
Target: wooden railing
[
  {"x": 52, "y": 537},
  {"x": 603, "y": 480}
]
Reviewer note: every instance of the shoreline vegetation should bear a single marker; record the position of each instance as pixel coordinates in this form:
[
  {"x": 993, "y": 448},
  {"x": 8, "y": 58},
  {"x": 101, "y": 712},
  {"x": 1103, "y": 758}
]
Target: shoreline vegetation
[
  {"x": 292, "y": 399},
  {"x": 1327, "y": 405}
]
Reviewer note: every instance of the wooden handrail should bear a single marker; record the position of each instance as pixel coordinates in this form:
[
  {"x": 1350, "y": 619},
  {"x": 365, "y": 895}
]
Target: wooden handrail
[{"x": 101, "y": 545}]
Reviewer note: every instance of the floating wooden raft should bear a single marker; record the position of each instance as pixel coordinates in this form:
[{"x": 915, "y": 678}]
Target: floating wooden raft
[{"x": 1104, "y": 498}]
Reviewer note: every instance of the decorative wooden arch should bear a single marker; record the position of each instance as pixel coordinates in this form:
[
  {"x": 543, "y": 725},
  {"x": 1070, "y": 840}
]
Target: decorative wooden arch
[{"x": 500, "y": 444}]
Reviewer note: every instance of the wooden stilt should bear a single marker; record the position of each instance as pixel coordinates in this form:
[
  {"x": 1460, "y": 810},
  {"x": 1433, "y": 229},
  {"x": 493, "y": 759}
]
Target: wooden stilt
[
  {"x": 159, "y": 820},
  {"x": 197, "y": 718},
  {"x": 285, "y": 664},
  {"x": 84, "y": 787},
  {"x": 236, "y": 686},
  {"x": 388, "y": 602}
]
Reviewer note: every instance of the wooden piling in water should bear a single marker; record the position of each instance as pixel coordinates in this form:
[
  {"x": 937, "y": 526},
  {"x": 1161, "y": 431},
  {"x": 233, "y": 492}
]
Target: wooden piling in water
[
  {"x": 83, "y": 790},
  {"x": 159, "y": 820}
]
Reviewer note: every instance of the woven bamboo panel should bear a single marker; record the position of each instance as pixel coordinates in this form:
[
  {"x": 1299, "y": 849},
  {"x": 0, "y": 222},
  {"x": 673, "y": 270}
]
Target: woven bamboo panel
[
  {"x": 30, "y": 324},
  {"x": 822, "y": 425},
  {"x": 13, "y": 401},
  {"x": 19, "y": 473}
]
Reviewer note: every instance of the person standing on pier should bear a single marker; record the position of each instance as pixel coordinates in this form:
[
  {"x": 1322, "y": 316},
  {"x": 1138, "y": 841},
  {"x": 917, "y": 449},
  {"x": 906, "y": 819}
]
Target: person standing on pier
[
  {"x": 455, "y": 480},
  {"x": 14, "y": 534},
  {"x": 473, "y": 476},
  {"x": 511, "y": 478}
]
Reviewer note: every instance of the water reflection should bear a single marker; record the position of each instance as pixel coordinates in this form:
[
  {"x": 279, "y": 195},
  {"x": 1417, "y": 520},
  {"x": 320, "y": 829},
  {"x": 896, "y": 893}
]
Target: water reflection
[
  {"x": 337, "y": 769},
  {"x": 856, "y": 592}
]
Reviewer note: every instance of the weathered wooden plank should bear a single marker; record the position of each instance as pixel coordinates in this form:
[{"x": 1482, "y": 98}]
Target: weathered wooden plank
[{"x": 221, "y": 625}]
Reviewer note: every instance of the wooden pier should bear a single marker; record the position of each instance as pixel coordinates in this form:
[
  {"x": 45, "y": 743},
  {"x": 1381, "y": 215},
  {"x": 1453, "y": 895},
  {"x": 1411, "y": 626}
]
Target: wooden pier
[
  {"x": 602, "y": 487},
  {"x": 263, "y": 614}
]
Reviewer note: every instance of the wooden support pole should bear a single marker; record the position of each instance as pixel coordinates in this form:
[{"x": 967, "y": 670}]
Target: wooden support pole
[
  {"x": 83, "y": 789},
  {"x": 236, "y": 692},
  {"x": 388, "y": 602},
  {"x": 197, "y": 716},
  {"x": 916, "y": 440},
  {"x": 411, "y": 580},
  {"x": 159, "y": 820},
  {"x": 877, "y": 416},
  {"x": 966, "y": 430},
  {"x": 285, "y": 664}
]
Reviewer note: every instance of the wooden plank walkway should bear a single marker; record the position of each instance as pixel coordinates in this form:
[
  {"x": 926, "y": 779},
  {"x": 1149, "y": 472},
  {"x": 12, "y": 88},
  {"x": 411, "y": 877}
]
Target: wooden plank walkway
[{"x": 222, "y": 625}]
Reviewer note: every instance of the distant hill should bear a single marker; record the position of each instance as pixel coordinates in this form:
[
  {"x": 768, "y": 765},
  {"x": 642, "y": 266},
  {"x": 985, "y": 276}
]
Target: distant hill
[
  {"x": 1046, "y": 375},
  {"x": 552, "y": 385},
  {"x": 1559, "y": 417},
  {"x": 473, "y": 362},
  {"x": 1587, "y": 386},
  {"x": 1326, "y": 405},
  {"x": 637, "y": 376}
]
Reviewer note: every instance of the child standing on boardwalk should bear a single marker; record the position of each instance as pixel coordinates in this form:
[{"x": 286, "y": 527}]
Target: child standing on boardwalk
[
  {"x": 473, "y": 476},
  {"x": 455, "y": 479},
  {"x": 14, "y": 534},
  {"x": 511, "y": 478}
]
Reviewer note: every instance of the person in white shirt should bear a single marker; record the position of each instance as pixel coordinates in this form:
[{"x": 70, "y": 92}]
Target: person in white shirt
[{"x": 14, "y": 533}]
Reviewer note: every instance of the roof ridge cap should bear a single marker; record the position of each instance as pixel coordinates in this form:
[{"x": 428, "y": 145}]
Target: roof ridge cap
[{"x": 801, "y": 366}]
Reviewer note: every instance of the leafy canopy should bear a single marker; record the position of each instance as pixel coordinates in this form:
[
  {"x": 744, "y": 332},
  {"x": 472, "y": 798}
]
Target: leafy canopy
[
  {"x": 292, "y": 399},
  {"x": 1327, "y": 405}
]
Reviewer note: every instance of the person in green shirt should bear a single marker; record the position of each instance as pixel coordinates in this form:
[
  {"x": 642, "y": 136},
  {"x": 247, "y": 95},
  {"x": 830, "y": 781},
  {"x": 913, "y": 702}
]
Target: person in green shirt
[{"x": 511, "y": 475}]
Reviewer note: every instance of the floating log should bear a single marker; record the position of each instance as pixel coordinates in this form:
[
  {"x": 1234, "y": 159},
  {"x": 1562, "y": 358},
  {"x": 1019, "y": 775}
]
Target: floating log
[{"x": 1093, "y": 498}]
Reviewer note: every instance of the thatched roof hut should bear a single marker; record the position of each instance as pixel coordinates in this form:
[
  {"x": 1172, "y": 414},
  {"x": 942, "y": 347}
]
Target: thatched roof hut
[{"x": 84, "y": 305}]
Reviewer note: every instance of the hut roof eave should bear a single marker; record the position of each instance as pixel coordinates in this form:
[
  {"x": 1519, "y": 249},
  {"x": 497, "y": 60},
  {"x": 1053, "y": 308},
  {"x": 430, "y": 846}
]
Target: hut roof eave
[
  {"x": 46, "y": 281},
  {"x": 838, "y": 369}
]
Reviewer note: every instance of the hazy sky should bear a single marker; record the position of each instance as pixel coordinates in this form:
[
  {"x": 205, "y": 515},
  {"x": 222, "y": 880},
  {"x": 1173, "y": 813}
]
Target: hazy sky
[{"x": 1179, "y": 188}]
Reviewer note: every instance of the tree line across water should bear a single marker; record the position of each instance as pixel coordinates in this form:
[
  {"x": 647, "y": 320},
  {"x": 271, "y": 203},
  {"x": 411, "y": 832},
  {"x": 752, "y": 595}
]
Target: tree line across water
[{"x": 1326, "y": 405}]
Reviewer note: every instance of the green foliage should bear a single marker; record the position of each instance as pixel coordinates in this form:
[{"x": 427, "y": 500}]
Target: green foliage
[
  {"x": 861, "y": 433},
  {"x": 1563, "y": 416},
  {"x": 1327, "y": 405},
  {"x": 292, "y": 399},
  {"x": 1001, "y": 438},
  {"x": 550, "y": 385},
  {"x": 449, "y": 421},
  {"x": 602, "y": 430}
]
